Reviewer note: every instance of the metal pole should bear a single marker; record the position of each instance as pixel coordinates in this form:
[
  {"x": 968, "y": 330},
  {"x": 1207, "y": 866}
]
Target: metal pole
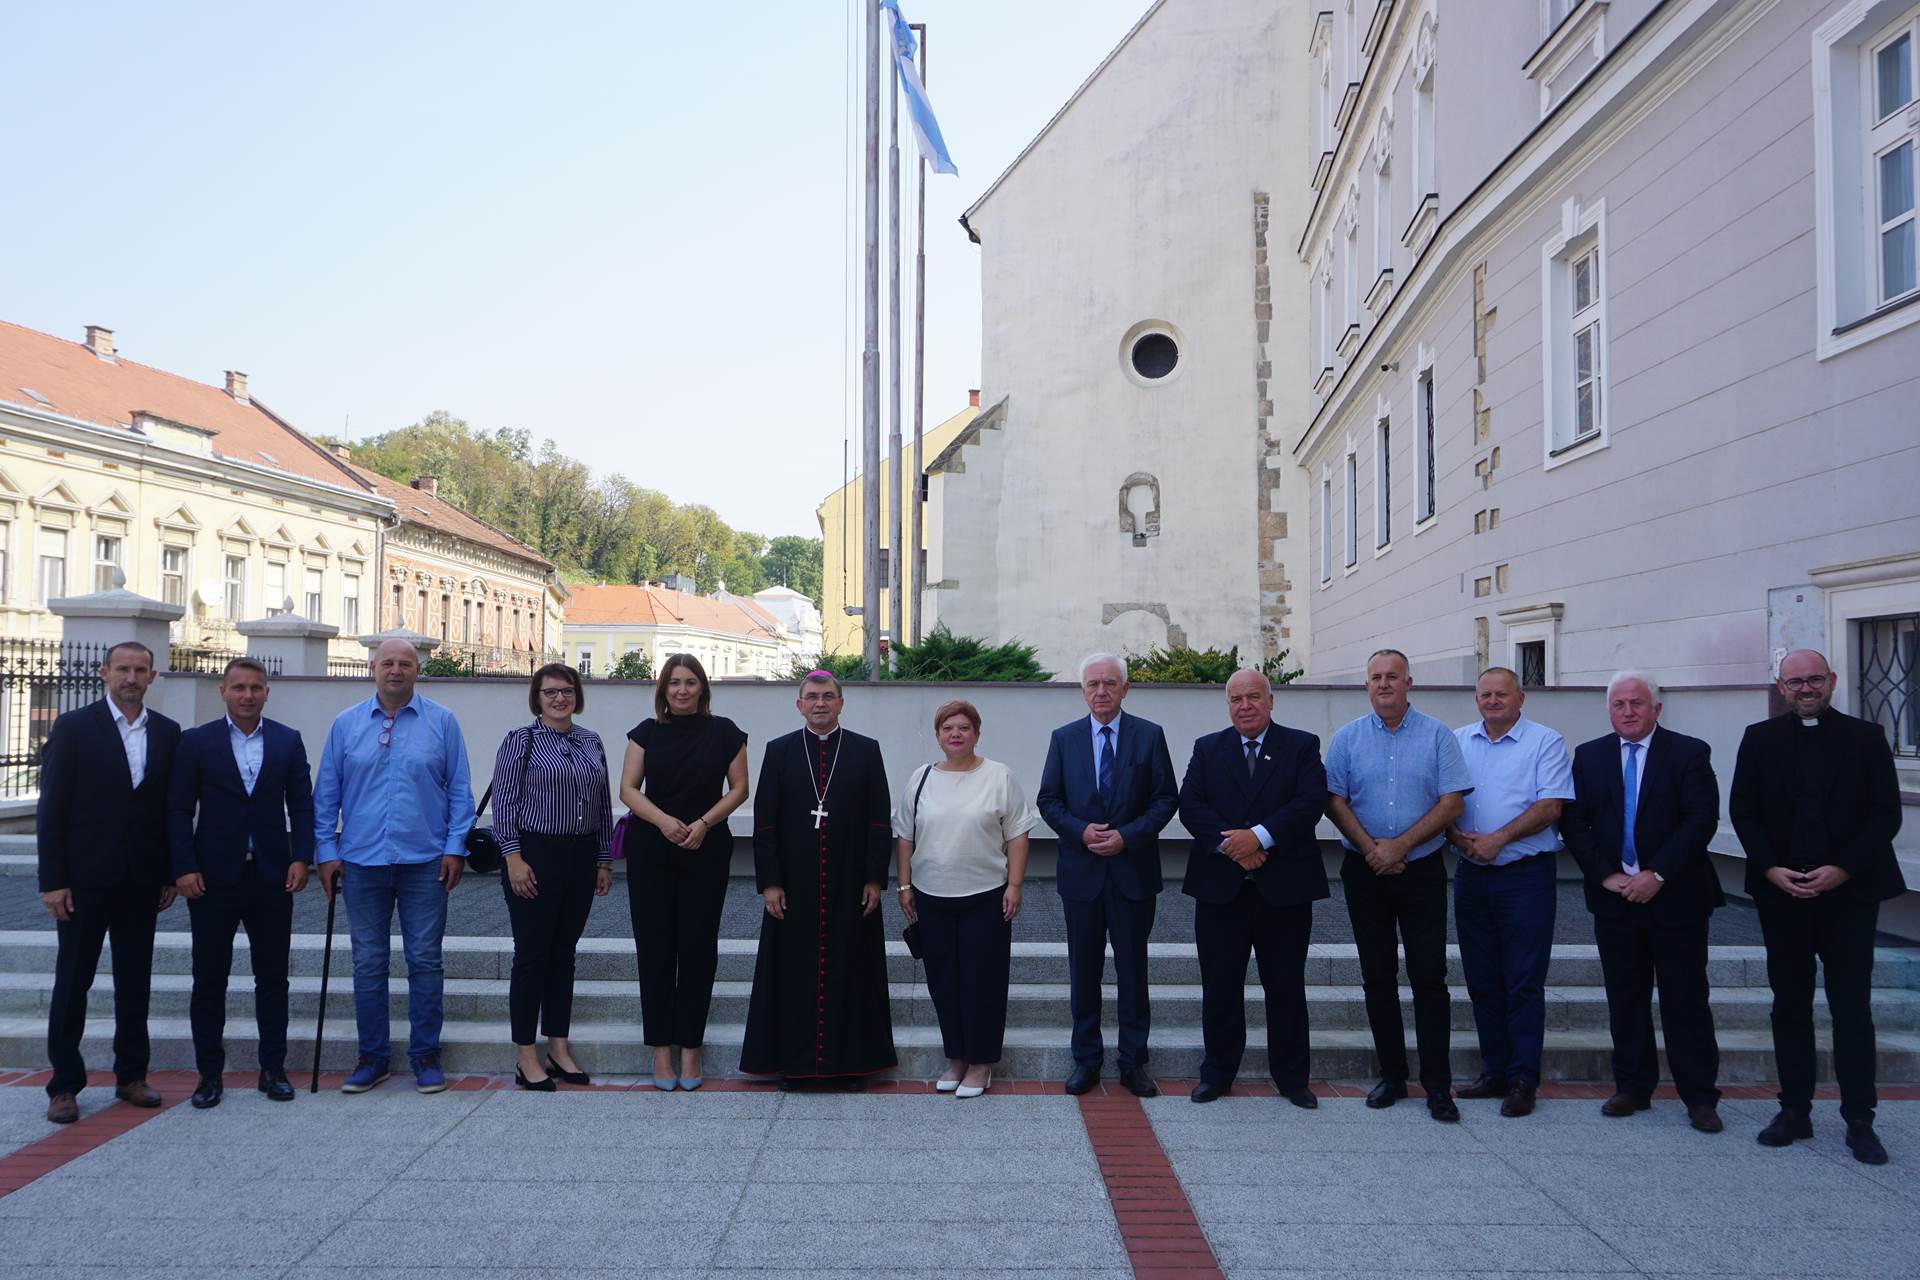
[
  {"x": 896, "y": 525},
  {"x": 870, "y": 365},
  {"x": 916, "y": 539}
]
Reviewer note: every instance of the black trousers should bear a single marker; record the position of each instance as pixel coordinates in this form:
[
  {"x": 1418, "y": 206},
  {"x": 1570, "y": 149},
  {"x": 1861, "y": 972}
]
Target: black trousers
[
  {"x": 265, "y": 909},
  {"x": 1636, "y": 951},
  {"x": 125, "y": 913},
  {"x": 1839, "y": 932},
  {"x": 1224, "y": 934},
  {"x": 546, "y": 930},
  {"x": 1412, "y": 904},
  {"x": 968, "y": 952},
  {"x": 1128, "y": 922},
  {"x": 676, "y": 903}
]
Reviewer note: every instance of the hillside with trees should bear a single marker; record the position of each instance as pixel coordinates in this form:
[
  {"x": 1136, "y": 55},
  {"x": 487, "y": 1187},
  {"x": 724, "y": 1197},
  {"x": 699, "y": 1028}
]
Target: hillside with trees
[{"x": 600, "y": 529}]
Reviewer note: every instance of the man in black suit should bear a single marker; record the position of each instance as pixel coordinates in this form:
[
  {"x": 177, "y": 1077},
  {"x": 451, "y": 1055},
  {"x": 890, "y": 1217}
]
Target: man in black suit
[
  {"x": 1107, "y": 791},
  {"x": 1816, "y": 804},
  {"x": 102, "y": 827},
  {"x": 1645, "y": 805},
  {"x": 1251, "y": 799},
  {"x": 247, "y": 780}
]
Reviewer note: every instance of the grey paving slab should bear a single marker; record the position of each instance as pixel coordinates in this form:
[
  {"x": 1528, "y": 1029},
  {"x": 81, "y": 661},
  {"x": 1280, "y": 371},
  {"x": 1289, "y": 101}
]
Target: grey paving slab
[
  {"x": 923, "y": 1166},
  {"x": 104, "y": 1271},
  {"x": 1068, "y": 1134},
  {"x": 134, "y": 1244},
  {"x": 1757, "y": 1248},
  {"x": 608, "y": 1240},
  {"x": 175, "y": 1199},
  {"x": 1782, "y": 1189},
  {"x": 23, "y": 1116},
  {"x": 962, "y": 1248},
  {"x": 1315, "y": 1246},
  {"x": 555, "y": 1198},
  {"x": 896, "y": 1273},
  {"x": 571, "y": 1134},
  {"x": 321, "y": 1271},
  {"x": 240, "y": 1163},
  {"x": 1459, "y": 1193},
  {"x": 482, "y": 1161},
  {"x": 1077, "y": 1201}
]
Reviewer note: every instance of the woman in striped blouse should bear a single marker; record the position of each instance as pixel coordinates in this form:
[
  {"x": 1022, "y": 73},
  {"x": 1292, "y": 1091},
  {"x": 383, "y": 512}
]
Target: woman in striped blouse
[{"x": 552, "y": 815}]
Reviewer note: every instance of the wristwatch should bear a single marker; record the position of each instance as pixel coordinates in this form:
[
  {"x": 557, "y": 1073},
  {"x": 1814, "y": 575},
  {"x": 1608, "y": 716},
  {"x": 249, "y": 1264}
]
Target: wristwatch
[{"x": 1657, "y": 876}]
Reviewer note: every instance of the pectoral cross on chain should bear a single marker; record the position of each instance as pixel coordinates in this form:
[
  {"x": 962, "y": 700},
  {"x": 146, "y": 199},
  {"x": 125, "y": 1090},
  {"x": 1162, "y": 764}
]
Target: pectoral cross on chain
[{"x": 819, "y": 813}]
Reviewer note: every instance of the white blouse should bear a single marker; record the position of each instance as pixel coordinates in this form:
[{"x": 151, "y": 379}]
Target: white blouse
[{"x": 962, "y": 828}]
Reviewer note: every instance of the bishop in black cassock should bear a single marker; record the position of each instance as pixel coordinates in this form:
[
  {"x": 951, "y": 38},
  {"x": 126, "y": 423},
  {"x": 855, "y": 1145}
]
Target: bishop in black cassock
[{"x": 822, "y": 831}]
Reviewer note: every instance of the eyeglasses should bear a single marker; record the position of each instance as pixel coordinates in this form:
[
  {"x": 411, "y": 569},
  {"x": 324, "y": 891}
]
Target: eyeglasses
[
  {"x": 386, "y": 732},
  {"x": 1797, "y": 683},
  {"x": 563, "y": 692}
]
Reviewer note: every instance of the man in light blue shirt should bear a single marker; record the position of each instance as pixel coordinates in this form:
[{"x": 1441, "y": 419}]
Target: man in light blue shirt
[
  {"x": 1395, "y": 779},
  {"x": 393, "y": 804},
  {"x": 1504, "y": 891}
]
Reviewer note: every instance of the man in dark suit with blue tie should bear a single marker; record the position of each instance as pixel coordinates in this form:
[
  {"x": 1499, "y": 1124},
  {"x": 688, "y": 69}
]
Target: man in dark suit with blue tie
[
  {"x": 1645, "y": 805},
  {"x": 102, "y": 828},
  {"x": 246, "y": 779},
  {"x": 1251, "y": 800},
  {"x": 1107, "y": 791}
]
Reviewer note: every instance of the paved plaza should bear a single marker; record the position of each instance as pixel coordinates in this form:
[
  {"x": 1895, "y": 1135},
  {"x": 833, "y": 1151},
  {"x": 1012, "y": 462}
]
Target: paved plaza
[{"x": 488, "y": 1182}]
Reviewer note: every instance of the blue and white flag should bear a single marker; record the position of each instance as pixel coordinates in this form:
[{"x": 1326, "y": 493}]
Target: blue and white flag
[{"x": 919, "y": 110}]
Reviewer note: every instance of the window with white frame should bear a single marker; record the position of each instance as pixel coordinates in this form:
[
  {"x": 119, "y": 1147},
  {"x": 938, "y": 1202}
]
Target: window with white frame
[
  {"x": 1382, "y": 483},
  {"x": 446, "y": 618},
  {"x": 234, "y": 581},
  {"x": 50, "y": 570},
  {"x": 1893, "y": 139},
  {"x": 108, "y": 556},
  {"x": 1351, "y": 518},
  {"x": 1424, "y": 472},
  {"x": 1574, "y": 337},
  {"x": 313, "y": 604},
  {"x": 276, "y": 600},
  {"x": 586, "y": 659},
  {"x": 6, "y": 556},
  {"x": 350, "y": 603},
  {"x": 1326, "y": 528},
  {"x": 173, "y": 574}
]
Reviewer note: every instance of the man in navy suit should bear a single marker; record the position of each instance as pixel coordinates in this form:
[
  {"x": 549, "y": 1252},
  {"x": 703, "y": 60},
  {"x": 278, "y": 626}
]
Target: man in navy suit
[
  {"x": 1107, "y": 791},
  {"x": 102, "y": 827},
  {"x": 1644, "y": 806},
  {"x": 246, "y": 777},
  {"x": 1251, "y": 799}
]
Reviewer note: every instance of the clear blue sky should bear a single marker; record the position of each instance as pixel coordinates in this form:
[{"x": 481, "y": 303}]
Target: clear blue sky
[{"x": 621, "y": 226}]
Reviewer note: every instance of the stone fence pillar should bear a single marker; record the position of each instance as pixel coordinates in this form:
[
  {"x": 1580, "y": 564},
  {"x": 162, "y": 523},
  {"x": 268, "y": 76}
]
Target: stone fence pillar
[
  {"x": 423, "y": 645},
  {"x": 106, "y": 618},
  {"x": 300, "y": 644}
]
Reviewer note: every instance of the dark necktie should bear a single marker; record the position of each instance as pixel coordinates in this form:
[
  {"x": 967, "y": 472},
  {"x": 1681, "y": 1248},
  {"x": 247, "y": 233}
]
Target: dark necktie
[
  {"x": 1253, "y": 755},
  {"x": 1105, "y": 783}
]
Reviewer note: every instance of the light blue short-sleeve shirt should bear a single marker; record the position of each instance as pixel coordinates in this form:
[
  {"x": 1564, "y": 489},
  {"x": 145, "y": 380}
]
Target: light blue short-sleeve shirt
[
  {"x": 1526, "y": 764},
  {"x": 1391, "y": 778}
]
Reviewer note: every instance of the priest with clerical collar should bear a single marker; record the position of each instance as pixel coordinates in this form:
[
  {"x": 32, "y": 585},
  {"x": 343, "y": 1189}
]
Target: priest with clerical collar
[{"x": 822, "y": 831}]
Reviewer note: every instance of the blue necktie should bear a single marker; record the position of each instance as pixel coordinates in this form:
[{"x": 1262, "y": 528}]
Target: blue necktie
[
  {"x": 1253, "y": 755},
  {"x": 1630, "y": 807},
  {"x": 1105, "y": 783}
]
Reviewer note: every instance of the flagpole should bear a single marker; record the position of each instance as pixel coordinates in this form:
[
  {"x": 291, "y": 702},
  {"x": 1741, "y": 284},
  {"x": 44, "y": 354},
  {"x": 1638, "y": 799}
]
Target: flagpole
[
  {"x": 916, "y": 539},
  {"x": 870, "y": 364},
  {"x": 895, "y": 524}
]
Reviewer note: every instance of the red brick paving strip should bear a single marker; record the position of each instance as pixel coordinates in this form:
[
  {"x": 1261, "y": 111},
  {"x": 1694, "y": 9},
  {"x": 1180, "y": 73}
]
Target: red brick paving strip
[
  {"x": 70, "y": 1141},
  {"x": 1157, "y": 1225}
]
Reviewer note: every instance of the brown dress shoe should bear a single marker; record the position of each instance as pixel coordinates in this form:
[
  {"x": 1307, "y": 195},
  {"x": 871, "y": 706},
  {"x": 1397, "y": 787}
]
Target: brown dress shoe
[
  {"x": 1625, "y": 1104},
  {"x": 1705, "y": 1117},
  {"x": 62, "y": 1109},
  {"x": 1519, "y": 1100},
  {"x": 1484, "y": 1087},
  {"x": 138, "y": 1093}
]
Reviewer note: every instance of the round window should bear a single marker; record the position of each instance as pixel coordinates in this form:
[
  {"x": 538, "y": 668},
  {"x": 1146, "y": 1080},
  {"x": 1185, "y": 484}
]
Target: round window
[{"x": 1154, "y": 355}]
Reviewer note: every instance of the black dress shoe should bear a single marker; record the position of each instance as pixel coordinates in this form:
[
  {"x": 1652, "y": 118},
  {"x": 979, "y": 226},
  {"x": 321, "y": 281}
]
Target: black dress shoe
[
  {"x": 1440, "y": 1106},
  {"x": 1865, "y": 1144},
  {"x": 1138, "y": 1082},
  {"x": 1082, "y": 1078},
  {"x": 1784, "y": 1128},
  {"x": 1205, "y": 1092},
  {"x": 1386, "y": 1093},
  {"x": 564, "y": 1076},
  {"x": 275, "y": 1085},
  {"x": 547, "y": 1085},
  {"x": 790, "y": 1084},
  {"x": 1623, "y": 1103},
  {"x": 1485, "y": 1087},
  {"x": 1519, "y": 1100},
  {"x": 854, "y": 1084},
  {"x": 207, "y": 1093},
  {"x": 1302, "y": 1098}
]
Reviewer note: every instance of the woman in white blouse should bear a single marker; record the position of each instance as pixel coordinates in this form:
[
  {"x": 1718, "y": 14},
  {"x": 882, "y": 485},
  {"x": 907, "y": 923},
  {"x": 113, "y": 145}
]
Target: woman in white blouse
[{"x": 961, "y": 844}]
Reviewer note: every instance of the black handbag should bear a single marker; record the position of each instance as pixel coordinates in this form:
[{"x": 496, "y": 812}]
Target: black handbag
[
  {"x": 484, "y": 854},
  {"x": 911, "y": 934}
]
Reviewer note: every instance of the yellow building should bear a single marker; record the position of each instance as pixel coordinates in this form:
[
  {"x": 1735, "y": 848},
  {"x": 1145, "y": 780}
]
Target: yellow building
[
  {"x": 842, "y": 581},
  {"x": 731, "y": 635}
]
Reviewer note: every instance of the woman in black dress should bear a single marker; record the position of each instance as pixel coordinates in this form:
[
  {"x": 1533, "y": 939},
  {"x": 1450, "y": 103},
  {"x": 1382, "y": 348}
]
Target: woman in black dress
[{"x": 677, "y": 859}]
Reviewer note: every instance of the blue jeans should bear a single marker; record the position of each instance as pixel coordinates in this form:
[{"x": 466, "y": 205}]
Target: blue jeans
[{"x": 372, "y": 893}]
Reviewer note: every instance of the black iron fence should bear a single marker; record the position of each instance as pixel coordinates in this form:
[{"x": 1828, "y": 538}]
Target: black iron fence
[
  {"x": 202, "y": 660},
  {"x": 39, "y": 679},
  {"x": 453, "y": 659}
]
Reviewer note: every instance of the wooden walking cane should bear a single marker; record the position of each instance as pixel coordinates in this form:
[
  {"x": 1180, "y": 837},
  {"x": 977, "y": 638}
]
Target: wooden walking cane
[{"x": 326, "y": 966}]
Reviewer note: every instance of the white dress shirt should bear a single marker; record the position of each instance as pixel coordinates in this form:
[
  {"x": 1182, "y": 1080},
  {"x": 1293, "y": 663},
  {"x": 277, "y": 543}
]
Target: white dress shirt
[
  {"x": 134, "y": 738},
  {"x": 249, "y": 751}
]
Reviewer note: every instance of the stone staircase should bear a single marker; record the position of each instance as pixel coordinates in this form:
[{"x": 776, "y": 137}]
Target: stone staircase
[{"x": 606, "y": 1029}]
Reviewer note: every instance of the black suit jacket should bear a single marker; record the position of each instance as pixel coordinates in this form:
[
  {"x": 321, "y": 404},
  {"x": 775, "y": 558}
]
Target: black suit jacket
[
  {"x": 95, "y": 828},
  {"x": 1677, "y": 814},
  {"x": 1144, "y": 799},
  {"x": 1862, "y": 805},
  {"x": 206, "y": 782},
  {"x": 1286, "y": 794}
]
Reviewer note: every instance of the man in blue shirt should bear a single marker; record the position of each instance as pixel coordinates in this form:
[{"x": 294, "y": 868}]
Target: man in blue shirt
[
  {"x": 1395, "y": 779},
  {"x": 393, "y": 803},
  {"x": 1504, "y": 890}
]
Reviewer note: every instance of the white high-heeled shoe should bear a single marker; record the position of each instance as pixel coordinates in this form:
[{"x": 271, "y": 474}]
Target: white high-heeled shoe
[
  {"x": 945, "y": 1086},
  {"x": 973, "y": 1090}
]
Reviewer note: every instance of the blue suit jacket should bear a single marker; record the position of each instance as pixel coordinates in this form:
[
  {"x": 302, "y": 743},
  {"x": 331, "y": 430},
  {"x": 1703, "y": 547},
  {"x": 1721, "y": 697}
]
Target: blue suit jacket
[
  {"x": 1144, "y": 799},
  {"x": 1676, "y": 814},
  {"x": 96, "y": 829},
  {"x": 1286, "y": 794},
  {"x": 206, "y": 780}
]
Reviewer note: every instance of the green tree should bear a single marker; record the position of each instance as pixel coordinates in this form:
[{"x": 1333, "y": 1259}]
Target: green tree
[
  {"x": 941, "y": 655},
  {"x": 1278, "y": 672},
  {"x": 844, "y": 666},
  {"x": 792, "y": 561},
  {"x": 636, "y": 664}
]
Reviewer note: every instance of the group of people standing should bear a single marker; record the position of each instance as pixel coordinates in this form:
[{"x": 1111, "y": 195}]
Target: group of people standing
[{"x": 134, "y": 811}]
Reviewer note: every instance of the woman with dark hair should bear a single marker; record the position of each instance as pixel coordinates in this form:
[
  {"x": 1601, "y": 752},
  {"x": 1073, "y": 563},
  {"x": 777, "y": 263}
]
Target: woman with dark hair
[
  {"x": 553, "y": 817},
  {"x": 677, "y": 859},
  {"x": 960, "y": 843}
]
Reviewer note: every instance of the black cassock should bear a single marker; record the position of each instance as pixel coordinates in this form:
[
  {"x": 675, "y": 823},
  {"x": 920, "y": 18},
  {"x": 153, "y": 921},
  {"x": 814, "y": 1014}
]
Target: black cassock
[{"x": 819, "y": 1005}]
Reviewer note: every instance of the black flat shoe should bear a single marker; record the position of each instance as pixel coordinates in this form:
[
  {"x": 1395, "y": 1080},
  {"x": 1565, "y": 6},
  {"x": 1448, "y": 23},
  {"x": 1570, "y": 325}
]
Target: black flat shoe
[
  {"x": 1138, "y": 1082},
  {"x": 276, "y": 1086},
  {"x": 1386, "y": 1093},
  {"x": 1082, "y": 1078},
  {"x": 534, "y": 1086},
  {"x": 1302, "y": 1098},
  {"x": 1785, "y": 1128},
  {"x": 208, "y": 1094},
  {"x": 1865, "y": 1144},
  {"x": 1442, "y": 1108},
  {"x": 564, "y": 1076},
  {"x": 1204, "y": 1092}
]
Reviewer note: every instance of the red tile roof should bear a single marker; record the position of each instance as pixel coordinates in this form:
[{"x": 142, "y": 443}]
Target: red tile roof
[
  {"x": 624, "y": 605},
  {"x": 40, "y": 371},
  {"x": 416, "y": 506}
]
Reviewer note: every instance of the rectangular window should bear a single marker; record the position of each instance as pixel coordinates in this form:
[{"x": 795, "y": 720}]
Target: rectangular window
[
  {"x": 350, "y": 604},
  {"x": 1382, "y": 483},
  {"x": 399, "y": 605},
  {"x": 1892, "y": 140},
  {"x": 1574, "y": 336},
  {"x": 1896, "y": 221},
  {"x": 466, "y": 622},
  {"x": 50, "y": 576},
  {"x": 277, "y": 601},
  {"x": 173, "y": 575},
  {"x": 107, "y": 557},
  {"x": 586, "y": 659},
  {"x": 1887, "y": 678},
  {"x": 1533, "y": 663},
  {"x": 234, "y": 579},
  {"x": 446, "y": 618},
  {"x": 1352, "y": 515},
  {"x": 1326, "y": 530},
  {"x": 1586, "y": 344},
  {"x": 6, "y": 557},
  {"x": 316, "y": 583},
  {"x": 1423, "y": 466}
]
